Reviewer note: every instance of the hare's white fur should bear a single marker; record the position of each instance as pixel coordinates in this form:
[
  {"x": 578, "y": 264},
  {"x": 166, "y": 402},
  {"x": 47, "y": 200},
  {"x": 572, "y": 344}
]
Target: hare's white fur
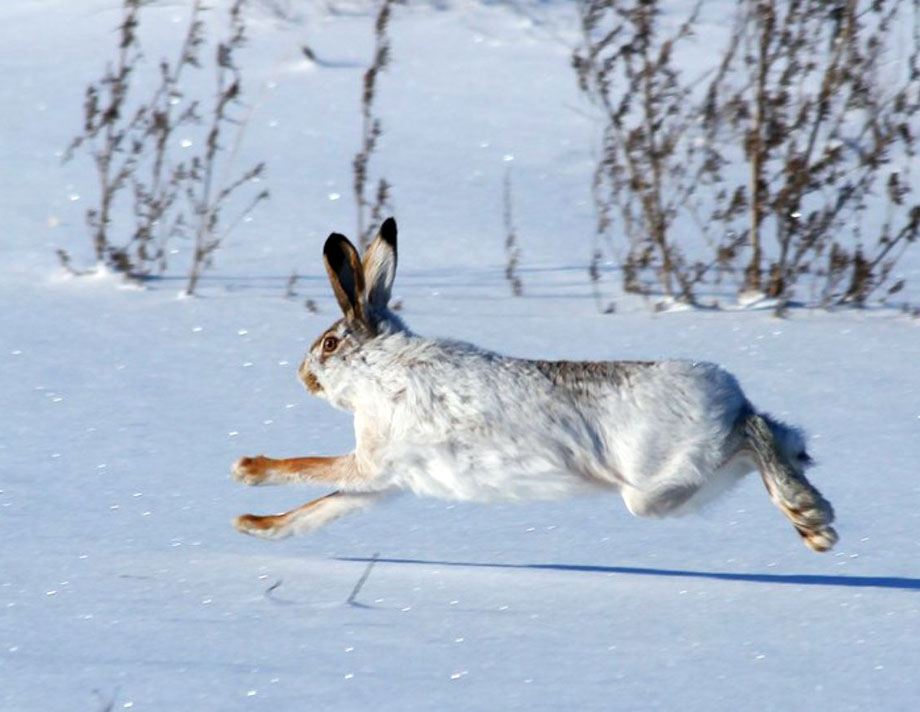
[{"x": 448, "y": 419}]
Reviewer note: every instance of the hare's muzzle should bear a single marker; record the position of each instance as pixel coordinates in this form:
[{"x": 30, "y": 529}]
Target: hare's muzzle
[{"x": 308, "y": 378}]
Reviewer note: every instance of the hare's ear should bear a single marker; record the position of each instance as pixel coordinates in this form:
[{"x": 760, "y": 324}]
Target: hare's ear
[
  {"x": 346, "y": 275},
  {"x": 380, "y": 265}
]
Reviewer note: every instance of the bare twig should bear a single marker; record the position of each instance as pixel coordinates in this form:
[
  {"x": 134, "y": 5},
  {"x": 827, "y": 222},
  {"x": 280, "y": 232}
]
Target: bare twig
[
  {"x": 289, "y": 291},
  {"x": 270, "y": 594},
  {"x": 512, "y": 249}
]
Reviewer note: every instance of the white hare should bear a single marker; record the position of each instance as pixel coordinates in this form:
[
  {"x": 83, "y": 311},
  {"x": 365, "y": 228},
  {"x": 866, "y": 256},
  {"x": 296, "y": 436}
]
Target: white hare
[{"x": 449, "y": 419}]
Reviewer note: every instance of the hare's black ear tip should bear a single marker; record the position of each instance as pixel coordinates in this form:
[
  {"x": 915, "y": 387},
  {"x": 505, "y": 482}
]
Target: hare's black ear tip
[
  {"x": 388, "y": 231},
  {"x": 335, "y": 242},
  {"x": 334, "y": 249}
]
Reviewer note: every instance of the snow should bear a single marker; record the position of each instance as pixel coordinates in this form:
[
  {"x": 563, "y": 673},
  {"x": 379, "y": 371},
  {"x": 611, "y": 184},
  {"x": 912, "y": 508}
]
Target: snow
[{"x": 122, "y": 581}]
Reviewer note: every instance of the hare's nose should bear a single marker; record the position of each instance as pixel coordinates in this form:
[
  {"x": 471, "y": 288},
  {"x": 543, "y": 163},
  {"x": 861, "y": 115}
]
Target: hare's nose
[{"x": 308, "y": 378}]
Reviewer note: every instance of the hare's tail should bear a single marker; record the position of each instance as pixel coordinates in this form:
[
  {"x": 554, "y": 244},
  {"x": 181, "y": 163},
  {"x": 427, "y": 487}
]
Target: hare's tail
[{"x": 779, "y": 452}]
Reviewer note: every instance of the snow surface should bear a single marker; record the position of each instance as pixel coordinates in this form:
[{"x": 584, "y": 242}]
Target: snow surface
[{"x": 122, "y": 583}]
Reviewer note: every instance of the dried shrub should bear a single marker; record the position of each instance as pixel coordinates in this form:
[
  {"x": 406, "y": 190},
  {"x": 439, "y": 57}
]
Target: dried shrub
[
  {"x": 820, "y": 128},
  {"x": 651, "y": 166},
  {"x": 131, "y": 140},
  {"x": 799, "y": 129}
]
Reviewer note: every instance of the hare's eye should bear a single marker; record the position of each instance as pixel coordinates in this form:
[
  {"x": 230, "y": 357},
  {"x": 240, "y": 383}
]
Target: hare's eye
[{"x": 330, "y": 344}]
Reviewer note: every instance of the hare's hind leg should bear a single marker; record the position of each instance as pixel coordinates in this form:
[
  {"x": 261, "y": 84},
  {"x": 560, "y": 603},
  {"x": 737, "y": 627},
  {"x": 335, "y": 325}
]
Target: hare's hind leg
[
  {"x": 262, "y": 470},
  {"x": 307, "y": 518},
  {"x": 784, "y": 477}
]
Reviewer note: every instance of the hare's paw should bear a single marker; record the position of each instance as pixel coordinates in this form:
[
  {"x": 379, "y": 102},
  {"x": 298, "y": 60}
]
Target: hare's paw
[
  {"x": 251, "y": 470},
  {"x": 820, "y": 540},
  {"x": 266, "y": 527}
]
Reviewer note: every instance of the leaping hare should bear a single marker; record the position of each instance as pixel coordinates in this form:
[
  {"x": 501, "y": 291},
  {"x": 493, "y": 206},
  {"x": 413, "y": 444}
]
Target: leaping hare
[{"x": 449, "y": 419}]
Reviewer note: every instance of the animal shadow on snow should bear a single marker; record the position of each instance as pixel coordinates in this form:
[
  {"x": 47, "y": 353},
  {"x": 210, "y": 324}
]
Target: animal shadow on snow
[{"x": 892, "y": 582}]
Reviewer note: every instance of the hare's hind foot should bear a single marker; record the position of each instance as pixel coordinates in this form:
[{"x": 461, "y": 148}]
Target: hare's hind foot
[
  {"x": 309, "y": 517},
  {"x": 811, "y": 519},
  {"x": 804, "y": 506},
  {"x": 780, "y": 455},
  {"x": 270, "y": 526},
  {"x": 819, "y": 540}
]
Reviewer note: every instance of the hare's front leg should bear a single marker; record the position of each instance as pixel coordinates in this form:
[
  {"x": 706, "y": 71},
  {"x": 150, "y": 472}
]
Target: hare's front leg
[
  {"x": 310, "y": 516},
  {"x": 261, "y": 470}
]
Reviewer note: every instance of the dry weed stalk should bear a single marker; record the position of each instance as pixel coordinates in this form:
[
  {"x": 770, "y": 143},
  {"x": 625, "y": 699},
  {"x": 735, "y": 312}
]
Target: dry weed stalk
[
  {"x": 205, "y": 194},
  {"x": 371, "y": 212},
  {"x": 110, "y": 132},
  {"x": 512, "y": 249},
  {"x": 157, "y": 189}
]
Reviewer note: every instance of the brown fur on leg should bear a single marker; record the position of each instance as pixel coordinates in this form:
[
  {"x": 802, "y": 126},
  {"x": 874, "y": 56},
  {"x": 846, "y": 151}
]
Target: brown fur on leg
[{"x": 261, "y": 470}]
